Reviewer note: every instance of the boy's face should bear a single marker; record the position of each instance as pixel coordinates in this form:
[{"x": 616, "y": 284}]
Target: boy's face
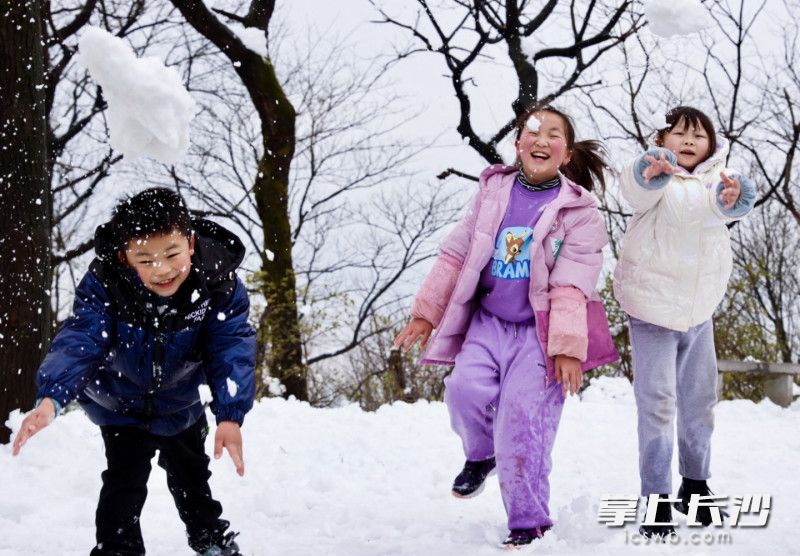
[{"x": 162, "y": 261}]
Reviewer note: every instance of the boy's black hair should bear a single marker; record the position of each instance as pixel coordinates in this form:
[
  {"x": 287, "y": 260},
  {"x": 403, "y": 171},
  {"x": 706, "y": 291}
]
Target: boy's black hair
[{"x": 154, "y": 211}]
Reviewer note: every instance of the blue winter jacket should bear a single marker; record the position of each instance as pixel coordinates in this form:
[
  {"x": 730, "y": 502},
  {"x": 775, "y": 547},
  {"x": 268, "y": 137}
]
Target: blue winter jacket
[{"x": 133, "y": 358}]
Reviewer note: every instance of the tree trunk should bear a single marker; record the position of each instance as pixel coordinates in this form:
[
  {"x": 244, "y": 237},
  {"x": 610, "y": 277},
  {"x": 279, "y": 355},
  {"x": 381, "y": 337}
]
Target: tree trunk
[
  {"x": 25, "y": 312},
  {"x": 279, "y": 328}
]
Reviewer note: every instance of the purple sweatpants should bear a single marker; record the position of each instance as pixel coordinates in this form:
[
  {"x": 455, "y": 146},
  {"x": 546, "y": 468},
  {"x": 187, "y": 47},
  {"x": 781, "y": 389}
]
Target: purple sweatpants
[{"x": 500, "y": 406}]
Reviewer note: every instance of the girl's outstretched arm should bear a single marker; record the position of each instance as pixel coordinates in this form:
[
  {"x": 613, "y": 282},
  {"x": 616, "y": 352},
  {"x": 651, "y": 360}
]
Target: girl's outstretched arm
[
  {"x": 642, "y": 181},
  {"x": 733, "y": 197}
]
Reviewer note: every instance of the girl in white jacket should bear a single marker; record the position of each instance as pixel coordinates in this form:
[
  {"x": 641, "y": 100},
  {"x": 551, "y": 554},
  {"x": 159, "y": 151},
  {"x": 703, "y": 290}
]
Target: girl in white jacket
[{"x": 672, "y": 273}]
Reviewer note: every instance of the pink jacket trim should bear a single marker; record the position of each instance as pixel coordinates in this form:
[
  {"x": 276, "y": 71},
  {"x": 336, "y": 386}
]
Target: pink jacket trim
[
  {"x": 568, "y": 333},
  {"x": 430, "y": 302}
]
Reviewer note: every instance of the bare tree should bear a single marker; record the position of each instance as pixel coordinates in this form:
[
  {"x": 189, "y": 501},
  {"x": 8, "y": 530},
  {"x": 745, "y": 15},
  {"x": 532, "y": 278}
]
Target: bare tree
[
  {"x": 347, "y": 256},
  {"x": 464, "y": 32},
  {"x": 370, "y": 372},
  {"x": 767, "y": 257},
  {"x": 279, "y": 328},
  {"x": 25, "y": 222}
]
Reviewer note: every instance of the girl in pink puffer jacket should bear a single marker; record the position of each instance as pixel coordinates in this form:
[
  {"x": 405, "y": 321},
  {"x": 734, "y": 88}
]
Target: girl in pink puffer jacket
[{"x": 512, "y": 298}]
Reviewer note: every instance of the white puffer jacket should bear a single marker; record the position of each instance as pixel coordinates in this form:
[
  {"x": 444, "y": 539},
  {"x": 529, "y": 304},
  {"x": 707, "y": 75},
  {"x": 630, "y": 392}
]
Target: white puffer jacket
[{"x": 676, "y": 254}]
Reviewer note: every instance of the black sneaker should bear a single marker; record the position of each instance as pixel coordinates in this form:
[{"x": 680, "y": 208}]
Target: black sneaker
[
  {"x": 522, "y": 537},
  {"x": 471, "y": 480},
  {"x": 689, "y": 487},
  {"x": 663, "y": 515},
  {"x": 224, "y": 547}
]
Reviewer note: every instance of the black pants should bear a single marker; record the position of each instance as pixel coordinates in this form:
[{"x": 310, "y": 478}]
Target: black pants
[{"x": 128, "y": 452}]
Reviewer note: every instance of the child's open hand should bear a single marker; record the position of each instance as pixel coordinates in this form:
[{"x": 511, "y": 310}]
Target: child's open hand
[
  {"x": 412, "y": 331},
  {"x": 730, "y": 190},
  {"x": 568, "y": 373},
  {"x": 36, "y": 420},
  {"x": 229, "y": 436},
  {"x": 658, "y": 166}
]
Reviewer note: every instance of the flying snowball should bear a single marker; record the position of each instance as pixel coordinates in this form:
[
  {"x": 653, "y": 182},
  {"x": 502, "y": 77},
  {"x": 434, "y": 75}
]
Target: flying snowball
[
  {"x": 668, "y": 18},
  {"x": 149, "y": 109}
]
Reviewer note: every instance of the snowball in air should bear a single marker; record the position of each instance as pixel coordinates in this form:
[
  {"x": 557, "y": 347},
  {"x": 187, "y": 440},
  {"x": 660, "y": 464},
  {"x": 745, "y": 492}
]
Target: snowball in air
[
  {"x": 533, "y": 123},
  {"x": 149, "y": 110},
  {"x": 676, "y": 17}
]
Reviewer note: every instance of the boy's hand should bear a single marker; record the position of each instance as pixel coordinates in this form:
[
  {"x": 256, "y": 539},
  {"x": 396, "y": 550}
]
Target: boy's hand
[
  {"x": 730, "y": 190},
  {"x": 36, "y": 420},
  {"x": 229, "y": 436},
  {"x": 568, "y": 373},
  {"x": 657, "y": 167},
  {"x": 412, "y": 331}
]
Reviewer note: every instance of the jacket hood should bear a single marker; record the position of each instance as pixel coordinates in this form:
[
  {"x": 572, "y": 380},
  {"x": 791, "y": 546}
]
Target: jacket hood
[
  {"x": 718, "y": 158},
  {"x": 218, "y": 252}
]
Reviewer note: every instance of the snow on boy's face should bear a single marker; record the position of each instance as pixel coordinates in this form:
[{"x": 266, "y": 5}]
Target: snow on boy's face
[
  {"x": 689, "y": 143},
  {"x": 162, "y": 261},
  {"x": 544, "y": 150}
]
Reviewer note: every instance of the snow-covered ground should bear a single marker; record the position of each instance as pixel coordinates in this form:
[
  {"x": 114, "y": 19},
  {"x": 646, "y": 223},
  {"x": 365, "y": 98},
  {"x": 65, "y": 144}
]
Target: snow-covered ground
[{"x": 345, "y": 482}]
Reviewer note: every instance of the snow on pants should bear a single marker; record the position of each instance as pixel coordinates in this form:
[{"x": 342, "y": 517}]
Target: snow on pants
[
  {"x": 500, "y": 405},
  {"x": 673, "y": 369}
]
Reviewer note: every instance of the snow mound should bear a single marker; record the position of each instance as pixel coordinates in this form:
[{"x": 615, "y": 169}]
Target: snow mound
[
  {"x": 668, "y": 18},
  {"x": 609, "y": 389},
  {"x": 344, "y": 482},
  {"x": 149, "y": 110}
]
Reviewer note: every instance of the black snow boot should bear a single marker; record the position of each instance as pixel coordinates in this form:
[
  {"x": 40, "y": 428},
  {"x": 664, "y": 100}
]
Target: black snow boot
[
  {"x": 226, "y": 546},
  {"x": 689, "y": 487},
  {"x": 471, "y": 480},
  {"x": 663, "y": 515},
  {"x": 522, "y": 537}
]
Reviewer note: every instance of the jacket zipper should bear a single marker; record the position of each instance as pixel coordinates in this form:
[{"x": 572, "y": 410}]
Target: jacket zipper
[{"x": 156, "y": 375}]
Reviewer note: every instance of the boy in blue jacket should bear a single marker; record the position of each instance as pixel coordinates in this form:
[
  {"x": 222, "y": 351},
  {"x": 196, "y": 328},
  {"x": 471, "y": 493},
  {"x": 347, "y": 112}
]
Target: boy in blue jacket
[{"x": 159, "y": 313}]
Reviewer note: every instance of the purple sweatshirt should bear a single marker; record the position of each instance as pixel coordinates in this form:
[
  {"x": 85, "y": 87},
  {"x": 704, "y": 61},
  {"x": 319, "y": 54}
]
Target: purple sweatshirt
[{"x": 504, "y": 282}]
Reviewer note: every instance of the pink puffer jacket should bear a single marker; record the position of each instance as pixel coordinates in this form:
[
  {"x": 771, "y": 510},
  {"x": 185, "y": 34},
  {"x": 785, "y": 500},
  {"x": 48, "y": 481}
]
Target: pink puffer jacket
[{"x": 566, "y": 260}]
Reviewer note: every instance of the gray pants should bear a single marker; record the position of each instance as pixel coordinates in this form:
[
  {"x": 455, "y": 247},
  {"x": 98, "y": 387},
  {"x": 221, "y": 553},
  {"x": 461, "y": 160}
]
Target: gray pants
[{"x": 673, "y": 369}]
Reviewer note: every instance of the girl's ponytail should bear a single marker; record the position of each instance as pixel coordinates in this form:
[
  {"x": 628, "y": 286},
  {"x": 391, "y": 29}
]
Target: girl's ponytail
[{"x": 587, "y": 164}]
